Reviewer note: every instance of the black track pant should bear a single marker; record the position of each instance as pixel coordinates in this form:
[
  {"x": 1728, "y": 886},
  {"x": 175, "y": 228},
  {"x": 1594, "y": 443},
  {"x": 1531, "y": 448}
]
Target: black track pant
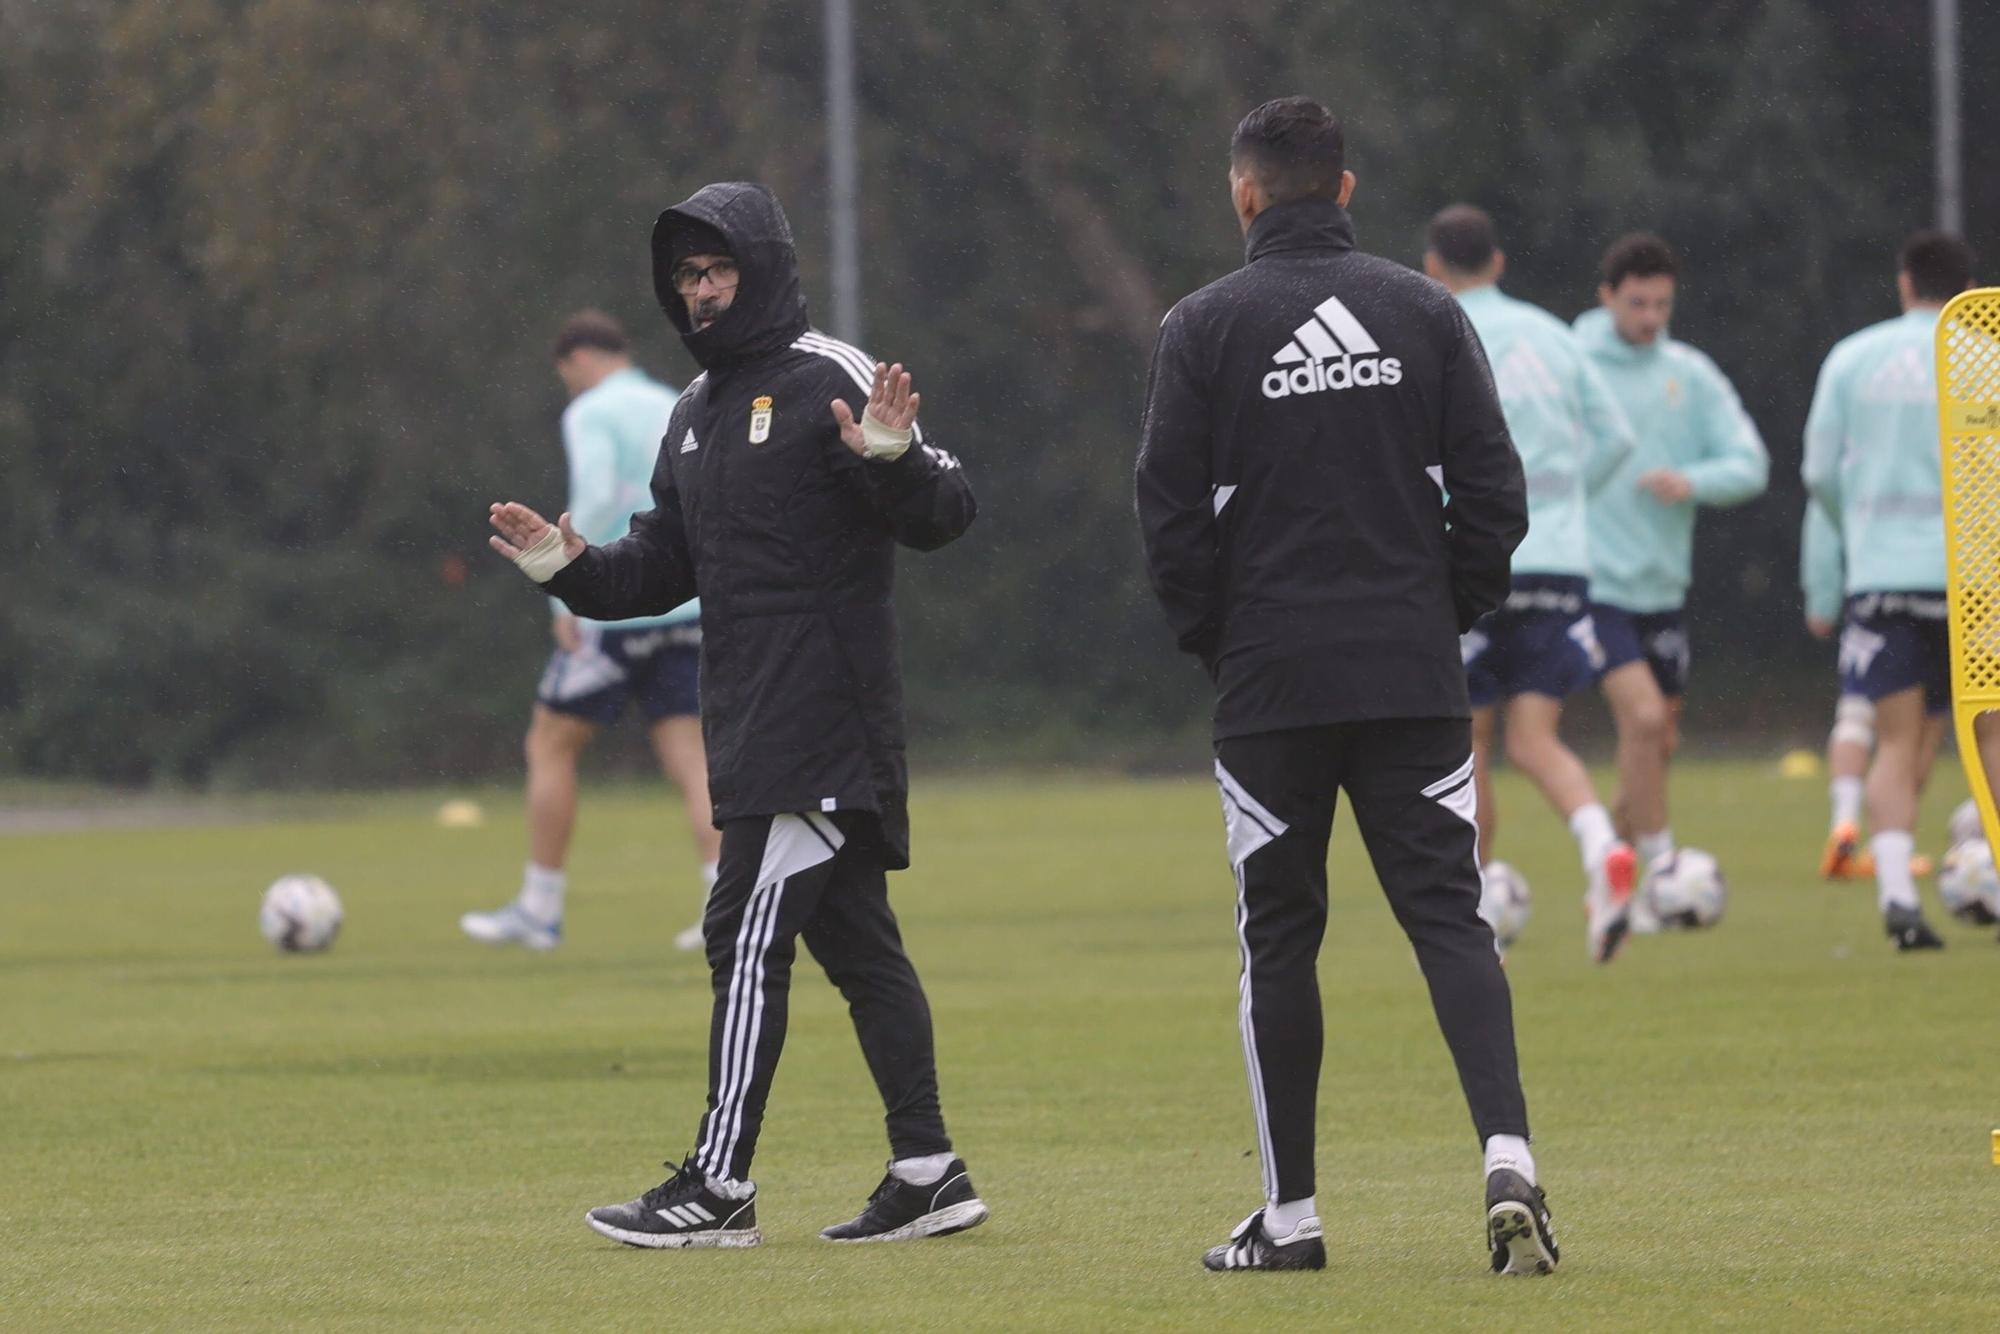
[
  {"x": 1411, "y": 784},
  {"x": 782, "y": 877}
]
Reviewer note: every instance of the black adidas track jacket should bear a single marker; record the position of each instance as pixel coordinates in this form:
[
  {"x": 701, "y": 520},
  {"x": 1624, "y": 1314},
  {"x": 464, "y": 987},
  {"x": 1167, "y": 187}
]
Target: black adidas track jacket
[{"x": 1326, "y": 488}]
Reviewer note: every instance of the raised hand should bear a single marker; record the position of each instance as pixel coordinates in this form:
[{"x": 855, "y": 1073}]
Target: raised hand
[
  {"x": 884, "y": 428},
  {"x": 520, "y": 528}
]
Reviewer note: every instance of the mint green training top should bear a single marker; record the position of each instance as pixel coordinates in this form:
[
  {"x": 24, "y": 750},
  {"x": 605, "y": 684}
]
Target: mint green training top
[
  {"x": 1688, "y": 419},
  {"x": 1871, "y": 456},
  {"x": 611, "y": 433},
  {"x": 1570, "y": 432}
]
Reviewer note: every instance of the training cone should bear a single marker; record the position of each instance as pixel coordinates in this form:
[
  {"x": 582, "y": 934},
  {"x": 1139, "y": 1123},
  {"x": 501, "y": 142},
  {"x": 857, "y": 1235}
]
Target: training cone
[
  {"x": 1799, "y": 764},
  {"x": 461, "y": 814}
]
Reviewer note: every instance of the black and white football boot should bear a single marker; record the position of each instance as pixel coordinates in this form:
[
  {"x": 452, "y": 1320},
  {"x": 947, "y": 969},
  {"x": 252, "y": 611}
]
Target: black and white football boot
[
  {"x": 1518, "y": 1227},
  {"x": 1249, "y": 1248},
  {"x": 1907, "y": 927},
  {"x": 899, "y": 1211},
  {"x": 680, "y": 1212}
]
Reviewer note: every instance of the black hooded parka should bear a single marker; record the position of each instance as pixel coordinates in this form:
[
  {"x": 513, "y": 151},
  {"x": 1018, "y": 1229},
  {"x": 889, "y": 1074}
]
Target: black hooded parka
[{"x": 786, "y": 535}]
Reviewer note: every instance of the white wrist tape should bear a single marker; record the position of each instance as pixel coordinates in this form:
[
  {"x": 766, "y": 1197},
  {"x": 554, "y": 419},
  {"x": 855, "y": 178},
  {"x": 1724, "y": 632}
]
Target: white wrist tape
[
  {"x": 541, "y": 561},
  {"x": 882, "y": 442}
]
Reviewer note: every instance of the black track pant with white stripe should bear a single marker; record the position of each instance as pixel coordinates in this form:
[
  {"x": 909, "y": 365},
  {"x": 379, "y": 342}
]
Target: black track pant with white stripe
[
  {"x": 1410, "y": 781},
  {"x": 817, "y": 876}
]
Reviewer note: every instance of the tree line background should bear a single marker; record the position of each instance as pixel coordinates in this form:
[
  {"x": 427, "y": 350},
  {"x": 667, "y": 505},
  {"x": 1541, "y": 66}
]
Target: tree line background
[{"x": 278, "y": 278}]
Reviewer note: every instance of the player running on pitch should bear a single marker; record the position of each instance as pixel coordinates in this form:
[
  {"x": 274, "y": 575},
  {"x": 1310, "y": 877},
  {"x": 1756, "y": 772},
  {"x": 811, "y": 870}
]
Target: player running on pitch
[
  {"x": 1852, "y": 738},
  {"x": 1328, "y": 496},
  {"x": 1696, "y": 447},
  {"x": 1540, "y": 647},
  {"x": 1871, "y": 461},
  {"x": 611, "y": 438},
  {"x": 792, "y": 467}
]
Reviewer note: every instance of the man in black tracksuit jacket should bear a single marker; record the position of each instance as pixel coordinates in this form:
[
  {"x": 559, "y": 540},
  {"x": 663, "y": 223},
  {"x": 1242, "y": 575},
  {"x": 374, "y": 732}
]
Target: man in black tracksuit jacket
[
  {"x": 791, "y": 468},
  {"x": 1329, "y": 497}
]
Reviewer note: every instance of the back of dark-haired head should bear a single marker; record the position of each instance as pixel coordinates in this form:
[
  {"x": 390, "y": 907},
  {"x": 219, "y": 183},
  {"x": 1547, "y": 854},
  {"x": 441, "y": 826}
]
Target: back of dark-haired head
[
  {"x": 1463, "y": 237},
  {"x": 1638, "y": 255},
  {"x": 1939, "y": 265},
  {"x": 590, "y": 328},
  {"x": 1293, "y": 148}
]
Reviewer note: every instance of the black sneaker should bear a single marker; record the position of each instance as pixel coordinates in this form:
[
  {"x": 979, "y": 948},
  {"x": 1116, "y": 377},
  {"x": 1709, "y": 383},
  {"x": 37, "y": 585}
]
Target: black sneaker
[
  {"x": 899, "y": 1211},
  {"x": 1518, "y": 1228},
  {"x": 680, "y": 1212},
  {"x": 1907, "y": 927},
  {"x": 1249, "y": 1248}
]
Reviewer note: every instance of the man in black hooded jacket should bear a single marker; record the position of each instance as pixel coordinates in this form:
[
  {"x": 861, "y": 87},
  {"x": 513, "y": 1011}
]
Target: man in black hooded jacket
[
  {"x": 1329, "y": 498},
  {"x": 790, "y": 469}
]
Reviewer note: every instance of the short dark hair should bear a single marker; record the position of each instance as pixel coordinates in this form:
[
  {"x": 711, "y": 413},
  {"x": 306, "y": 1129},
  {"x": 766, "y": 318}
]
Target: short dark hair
[
  {"x": 1293, "y": 147},
  {"x": 1462, "y": 235},
  {"x": 1638, "y": 255},
  {"x": 1939, "y": 265},
  {"x": 590, "y": 328}
]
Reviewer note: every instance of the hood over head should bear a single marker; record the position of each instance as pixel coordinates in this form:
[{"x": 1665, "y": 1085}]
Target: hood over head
[{"x": 769, "y": 311}]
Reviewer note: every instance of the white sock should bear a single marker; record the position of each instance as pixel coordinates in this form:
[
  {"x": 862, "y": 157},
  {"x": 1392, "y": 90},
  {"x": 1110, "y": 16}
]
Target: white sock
[
  {"x": 1654, "y": 846},
  {"x": 708, "y": 873},
  {"x": 925, "y": 1171},
  {"x": 1283, "y": 1219},
  {"x": 1594, "y": 834},
  {"x": 542, "y": 892},
  {"x": 730, "y": 1190},
  {"x": 1509, "y": 1151},
  {"x": 1846, "y": 792},
  {"x": 1893, "y": 886}
]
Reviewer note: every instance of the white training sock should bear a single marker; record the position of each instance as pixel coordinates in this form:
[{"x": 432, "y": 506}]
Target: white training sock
[
  {"x": 730, "y": 1190},
  {"x": 1894, "y": 887},
  {"x": 1281, "y": 1220},
  {"x": 1846, "y": 793},
  {"x": 1651, "y": 847},
  {"x": 1509, "y": 1151},
  {"x": 925, "y": 1171},
  {"x": 542, "y": 892},
  {"x": 1594, "y": 834}
]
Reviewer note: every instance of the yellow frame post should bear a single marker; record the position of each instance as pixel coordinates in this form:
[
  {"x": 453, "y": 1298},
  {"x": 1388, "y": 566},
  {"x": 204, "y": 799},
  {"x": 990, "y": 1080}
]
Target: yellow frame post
[{"x": 1968, "y": 376}]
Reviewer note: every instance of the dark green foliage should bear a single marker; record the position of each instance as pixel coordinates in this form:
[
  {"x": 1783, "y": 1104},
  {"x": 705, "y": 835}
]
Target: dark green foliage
[{"x": 277, "y": 279}]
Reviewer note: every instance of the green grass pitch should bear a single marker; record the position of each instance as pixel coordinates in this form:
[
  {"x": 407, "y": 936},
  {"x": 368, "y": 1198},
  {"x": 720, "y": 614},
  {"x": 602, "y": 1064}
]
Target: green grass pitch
[{"x": 1779, "y": 1124}]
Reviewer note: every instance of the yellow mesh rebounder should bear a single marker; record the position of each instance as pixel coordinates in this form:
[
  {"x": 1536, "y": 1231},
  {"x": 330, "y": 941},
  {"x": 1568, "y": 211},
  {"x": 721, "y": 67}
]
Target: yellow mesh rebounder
[{"x": 1968, "y": 372}]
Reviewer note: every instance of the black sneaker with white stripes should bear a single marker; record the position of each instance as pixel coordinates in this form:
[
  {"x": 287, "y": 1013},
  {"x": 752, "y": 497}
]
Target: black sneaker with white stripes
[
  {"x": 680, "y": 1212},
  {"x": 1249, "y": 1248},
  {"x": 1518, "y": 1227},
  {"x": 899, "y": 1211}
]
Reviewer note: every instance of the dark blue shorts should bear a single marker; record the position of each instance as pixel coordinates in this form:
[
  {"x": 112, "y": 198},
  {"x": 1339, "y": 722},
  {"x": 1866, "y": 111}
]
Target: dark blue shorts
[
  {"x": 658, "y": 665},
  {"x": 1542, "y": 642},
  {"x": 1891, "y": 642},
  {"x": 1657, "y": 638}
]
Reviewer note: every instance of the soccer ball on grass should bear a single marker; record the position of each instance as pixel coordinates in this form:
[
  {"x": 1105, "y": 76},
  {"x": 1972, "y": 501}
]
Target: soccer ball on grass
[
  {"x": 1503, "y": 900},
  {"x": 1968, "y": 883},
  {"x": 1684, "y": 888},
  {"x": 301, "y": 913}
]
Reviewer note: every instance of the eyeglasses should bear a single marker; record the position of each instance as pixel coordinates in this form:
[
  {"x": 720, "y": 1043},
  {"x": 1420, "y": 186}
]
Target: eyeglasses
[{"x": 721, "y": 274}]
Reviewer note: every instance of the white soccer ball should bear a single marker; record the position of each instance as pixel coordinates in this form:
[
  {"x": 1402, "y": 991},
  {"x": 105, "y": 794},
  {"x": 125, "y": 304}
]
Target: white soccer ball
[
  {"x": 301, "y": 913},
  {"x": 1968, "y": 883},
  {"x": 1503, "y": 900},
  {"x": 1964, "y": 825},
  {"x": 1684, "y": 888}
]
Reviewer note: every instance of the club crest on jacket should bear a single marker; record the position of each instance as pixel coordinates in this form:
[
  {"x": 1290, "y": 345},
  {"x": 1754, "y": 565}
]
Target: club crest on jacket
[{"x": 760, "y": 419}]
